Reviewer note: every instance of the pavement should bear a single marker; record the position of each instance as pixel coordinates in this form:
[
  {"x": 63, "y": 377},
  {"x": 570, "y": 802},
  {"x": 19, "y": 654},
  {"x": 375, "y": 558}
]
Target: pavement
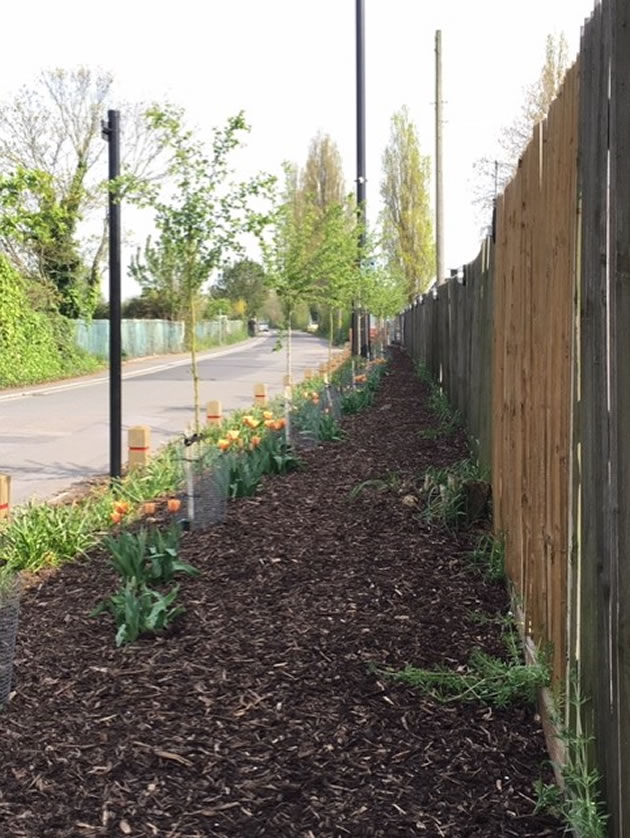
[{"x": 54, "y": 435}]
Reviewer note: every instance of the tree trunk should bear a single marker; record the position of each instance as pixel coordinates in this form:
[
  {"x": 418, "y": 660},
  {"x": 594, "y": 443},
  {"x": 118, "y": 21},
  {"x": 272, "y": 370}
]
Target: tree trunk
[
  {"x": 289, "y": 347},
  {"x": 330, "y": 336}
]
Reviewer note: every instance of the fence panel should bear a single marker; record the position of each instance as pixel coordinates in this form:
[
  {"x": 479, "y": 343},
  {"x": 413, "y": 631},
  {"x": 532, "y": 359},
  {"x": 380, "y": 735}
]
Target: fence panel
[{"x": 141, "y": 338}]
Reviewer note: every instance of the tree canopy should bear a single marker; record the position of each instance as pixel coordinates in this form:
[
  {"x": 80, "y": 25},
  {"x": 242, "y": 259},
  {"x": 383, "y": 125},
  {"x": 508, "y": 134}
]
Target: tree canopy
[{"x": 407, "y": 227}]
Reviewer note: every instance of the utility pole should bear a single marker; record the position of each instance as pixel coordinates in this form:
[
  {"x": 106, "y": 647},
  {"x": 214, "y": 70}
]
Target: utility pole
[
  {"x": 111, "y": 133},
  {"x": 439, "y": 184},
  {"x": 361, "y": 329}
]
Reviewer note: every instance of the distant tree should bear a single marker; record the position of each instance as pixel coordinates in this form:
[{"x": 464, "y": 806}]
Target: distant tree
[
  {"x": 407, "y": 227},
  {"x": 54, "y": 127},
  {"x": 159, "y": 271},
  {"x": 322, "y": 180},
  {"x": 244, "y": 280},
  {"x": 493, "y": 174}
]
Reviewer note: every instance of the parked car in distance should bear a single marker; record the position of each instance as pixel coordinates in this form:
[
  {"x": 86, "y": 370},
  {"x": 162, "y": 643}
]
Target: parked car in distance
[{"x": 263, "y": 329}]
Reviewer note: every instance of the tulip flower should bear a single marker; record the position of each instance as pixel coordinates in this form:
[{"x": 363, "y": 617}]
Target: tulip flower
[
  {"x": 233, "y": 434},
  {"x": 255, "y": 441},
  {"x": 224, "y": 444},
  {"x": 116, "y": 517},
  {"x": 251, "y": 422},
  {"x": 173, "y": 504},
  {"x": 121, "y": 507},
  {"x": 268, "y": 414},
  {"x": 149, "y": 509},
  {"x": 269, "y": 423}
]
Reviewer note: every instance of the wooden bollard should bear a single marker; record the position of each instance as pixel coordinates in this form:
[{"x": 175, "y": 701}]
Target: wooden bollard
[
  {"x": 308, "y": 374},
  {"x": 214, "y": 413},
  {"x": 260, "y": 395},
  {"x": 5, "y": 495},
  {"x": 139, "y": 441}
]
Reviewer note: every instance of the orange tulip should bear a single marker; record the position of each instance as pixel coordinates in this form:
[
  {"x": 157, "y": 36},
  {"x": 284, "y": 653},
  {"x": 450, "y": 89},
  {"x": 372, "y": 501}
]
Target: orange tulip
[
  {"x": 121, "y": 507},
  {"x": 116, "y": 517},
  {"x": 251, "y": 422},
  {"x": 269, "y": 423},
  {"x": 281, "y": 423},
  {"x": 267, "y": 414},
  {"x": 223, "y": 444},
  {"x": 173, "y": 504},
  {"x": 233, "y": 434},
  {"x": 149, "y": 509},
  {"x": 256, "y": 440}
]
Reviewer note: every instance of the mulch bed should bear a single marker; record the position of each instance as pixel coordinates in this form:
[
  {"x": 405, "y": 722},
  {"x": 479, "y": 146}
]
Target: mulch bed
[{"x": 258, "y": 713}]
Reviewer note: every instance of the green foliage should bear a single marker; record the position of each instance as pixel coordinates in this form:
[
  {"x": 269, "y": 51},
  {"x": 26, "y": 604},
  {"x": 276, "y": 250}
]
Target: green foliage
[
  {"x": 34, "y": 346},
  {"x": 582, "y": 807},
  {"x": 41, "y": 535},
  {"x": 202, "y": 220},
  {"x": 148, "y": 555},
  {"x": 139, "y": 610},
  {"x": 486, "y": 678},
  {"x": 407, "y": 225},
  {"x": 446, "y": 492},
  {"x": 159, "y": 271},
  {"x": 548, "y": 798},
  {"x": 246, "y": 468},
  {"x": 329, "y": 429},
  {"x": 243, "y": 280},
  {"x": 357, "y": 400},
  {"x": 489, "y": 557}
]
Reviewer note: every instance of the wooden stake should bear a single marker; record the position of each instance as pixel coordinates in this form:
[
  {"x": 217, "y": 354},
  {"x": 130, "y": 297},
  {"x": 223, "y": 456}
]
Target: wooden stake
[{"x": 139, "y": 442}]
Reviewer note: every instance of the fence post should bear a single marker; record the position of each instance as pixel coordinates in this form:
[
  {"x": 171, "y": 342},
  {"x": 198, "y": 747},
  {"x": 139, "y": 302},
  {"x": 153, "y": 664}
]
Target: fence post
[
  {"x": 260, "y": 395},
  {"x": 139, "y": 442},
  {"x": 308, "y": 374},
  {"x": 214, "y": 413},
  {"x": 5, "y": 495}
]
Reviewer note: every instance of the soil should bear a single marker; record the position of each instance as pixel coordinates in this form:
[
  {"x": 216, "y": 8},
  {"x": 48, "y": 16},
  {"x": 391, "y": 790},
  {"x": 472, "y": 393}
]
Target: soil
[{"x": 259, "y": 712}]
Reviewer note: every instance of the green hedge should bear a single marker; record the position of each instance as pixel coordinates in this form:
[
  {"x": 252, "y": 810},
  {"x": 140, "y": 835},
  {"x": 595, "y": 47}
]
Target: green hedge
[{"x": 34, "y": 346}]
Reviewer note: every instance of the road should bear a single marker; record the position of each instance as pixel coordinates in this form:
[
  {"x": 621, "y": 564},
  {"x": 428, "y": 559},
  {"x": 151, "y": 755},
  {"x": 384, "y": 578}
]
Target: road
[{"x": 54, "y": 435}]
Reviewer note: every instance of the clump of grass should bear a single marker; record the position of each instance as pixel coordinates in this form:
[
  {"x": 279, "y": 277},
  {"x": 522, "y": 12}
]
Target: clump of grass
[
  {"x": 456, "y": 496},
  {"x": 489, "y": 557}
]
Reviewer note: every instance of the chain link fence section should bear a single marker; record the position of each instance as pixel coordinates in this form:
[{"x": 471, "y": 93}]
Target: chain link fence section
[
  {"x": 9, "y": 612},
  {"x": 207, "y": 477}
]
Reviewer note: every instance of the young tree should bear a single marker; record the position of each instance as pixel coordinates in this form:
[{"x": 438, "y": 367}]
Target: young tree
[
  {"x": 494, "y": 174},
  {"x": 201, "y": 222},
  {"x": 54, "y": 127},
  {"x": 407, "y": 227}
]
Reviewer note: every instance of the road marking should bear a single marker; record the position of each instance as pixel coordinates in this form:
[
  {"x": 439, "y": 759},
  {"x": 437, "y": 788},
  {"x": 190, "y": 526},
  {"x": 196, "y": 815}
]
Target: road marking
[{"x": 77, "y": 385}]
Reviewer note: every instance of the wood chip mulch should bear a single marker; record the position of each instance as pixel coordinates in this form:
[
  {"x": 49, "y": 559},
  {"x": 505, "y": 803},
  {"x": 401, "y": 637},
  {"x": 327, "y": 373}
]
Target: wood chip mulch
[{"x": 258, "y": 713}]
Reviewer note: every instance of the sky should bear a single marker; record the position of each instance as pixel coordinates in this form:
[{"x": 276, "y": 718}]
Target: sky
[{"x": 290, "y": 65}]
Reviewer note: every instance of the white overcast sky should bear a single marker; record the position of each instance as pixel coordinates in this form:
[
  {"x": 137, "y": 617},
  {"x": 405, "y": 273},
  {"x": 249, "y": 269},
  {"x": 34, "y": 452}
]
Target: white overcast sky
[{"x": 290, "y": 65}]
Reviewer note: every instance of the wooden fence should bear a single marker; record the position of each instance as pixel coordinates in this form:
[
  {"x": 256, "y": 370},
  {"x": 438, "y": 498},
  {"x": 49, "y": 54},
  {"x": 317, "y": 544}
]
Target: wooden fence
[{"x": 534, "y": 349}]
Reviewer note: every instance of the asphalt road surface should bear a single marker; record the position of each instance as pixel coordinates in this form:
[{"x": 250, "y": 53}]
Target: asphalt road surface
[{"x": 57, "y": 434}]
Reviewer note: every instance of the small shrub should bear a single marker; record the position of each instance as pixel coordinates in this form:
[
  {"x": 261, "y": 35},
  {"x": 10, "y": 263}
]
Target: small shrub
[{"x": 486, "y": 678}]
